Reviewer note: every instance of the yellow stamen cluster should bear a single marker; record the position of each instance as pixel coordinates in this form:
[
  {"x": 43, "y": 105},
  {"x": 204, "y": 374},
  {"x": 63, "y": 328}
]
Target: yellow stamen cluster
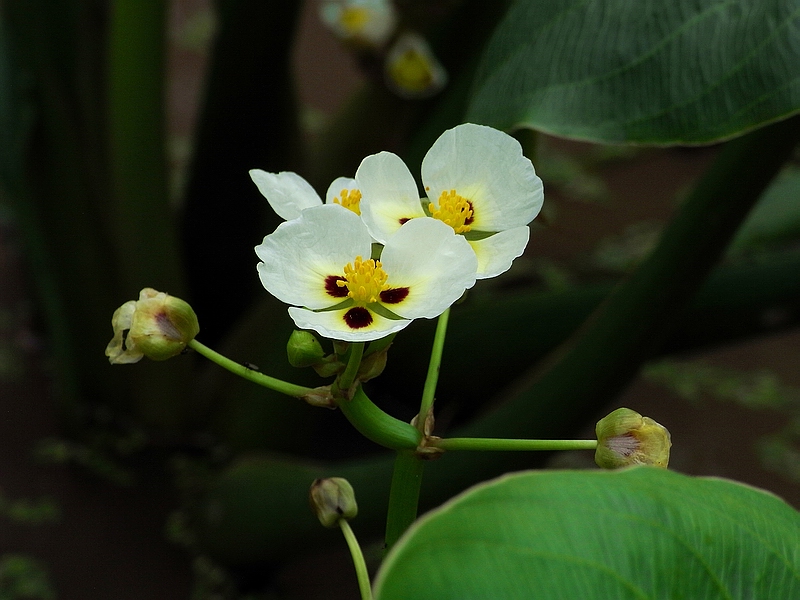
[
  {"x": 354, "y": 18},
  {"x": 365, "y": 280},
  {"x": 350, "y": 199},
  {"x": 454, "y": 210}
]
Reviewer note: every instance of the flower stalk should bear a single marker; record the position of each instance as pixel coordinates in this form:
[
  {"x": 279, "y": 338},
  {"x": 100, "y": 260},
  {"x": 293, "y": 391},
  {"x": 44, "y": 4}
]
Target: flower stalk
[
  {"x": 277, "y": 385},
  {"x": 358, "y": 560},
  {"x": 493, "y": 444}
]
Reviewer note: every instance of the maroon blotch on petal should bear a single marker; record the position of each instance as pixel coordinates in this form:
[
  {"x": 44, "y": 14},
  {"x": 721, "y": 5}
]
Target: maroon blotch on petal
[
  {"x": 333, "y": 289},
  {"x": 394, "y": 295},
  {"x": 357, "y": 317}
]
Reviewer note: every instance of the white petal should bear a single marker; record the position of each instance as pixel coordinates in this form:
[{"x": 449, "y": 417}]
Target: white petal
[
  {"x": 300, "y": 254},
  {"x": 496, "y": 252},
  {"x": 287, "y": 193},
  {"x": 389, "y": 195},
  {"x": 339, "y": 184},
  {"x": 331, "y": 324},
  {"x": 434, "y": 263},
  {"x": 485, "y": 166}
]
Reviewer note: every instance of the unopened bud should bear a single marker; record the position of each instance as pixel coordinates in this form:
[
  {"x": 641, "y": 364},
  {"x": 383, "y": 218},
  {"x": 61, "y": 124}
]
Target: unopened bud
[
  {"x": 156, "y": 325},
  {"x": 332, "y": 499},
  {"x": 304, "y": 349},
  {"x": 627, "y": 438},
  {"x": 372, "y": 365}
]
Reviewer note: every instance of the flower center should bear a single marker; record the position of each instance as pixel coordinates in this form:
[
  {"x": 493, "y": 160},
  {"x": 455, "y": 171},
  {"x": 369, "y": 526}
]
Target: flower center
[
  {"x": 365, "y": 280},
  {"x": 411, "y": 71},
  {"x": 350, "y": 199},
  {"x": 354, "y": 18},
  {"x": 454, "y": 210}
]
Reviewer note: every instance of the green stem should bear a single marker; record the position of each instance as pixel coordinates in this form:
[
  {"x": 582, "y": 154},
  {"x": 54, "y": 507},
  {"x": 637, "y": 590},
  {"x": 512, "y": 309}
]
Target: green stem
[
  {"x": 278, "y": 385},
  {"x": 505, "y": 444},
  {"x": 347, "y": 378},
  {"x": 403, "y": 495},
  {"x": 376, "y": 425},
  {"x": 429, "y": 391},
  {"x": 358, "y": 560}
]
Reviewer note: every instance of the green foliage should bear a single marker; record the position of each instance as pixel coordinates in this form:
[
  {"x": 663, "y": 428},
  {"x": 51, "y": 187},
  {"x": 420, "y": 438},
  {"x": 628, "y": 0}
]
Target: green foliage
[
  {"x": 24, "y": 578},
  {"x": 681, "y": 72},
  {"x": 30, "y": 512},
  {"x": 639, "y": 533}
]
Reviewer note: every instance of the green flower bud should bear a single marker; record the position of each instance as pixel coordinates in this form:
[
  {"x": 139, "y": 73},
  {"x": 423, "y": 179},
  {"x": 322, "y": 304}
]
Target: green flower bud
[
  {"x": 627, "y": 438},
  {"x": 372, "y": 365},
  {"x": 304, "y": 349},
  {"x": 156, "y": 325},
  {"x": 332, "y": 499}
]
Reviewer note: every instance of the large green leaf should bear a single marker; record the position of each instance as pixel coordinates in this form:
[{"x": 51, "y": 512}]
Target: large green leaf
[
  {"x": 686, "y": 71},
  {"x": 640, "y": 533}
]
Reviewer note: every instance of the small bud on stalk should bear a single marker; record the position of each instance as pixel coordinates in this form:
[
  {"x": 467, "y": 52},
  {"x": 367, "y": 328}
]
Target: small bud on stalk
[
  {"x": 304, "y": 349},
  {"x": 627, "y": 438},
  {"x": 332, "y": 499},
  {"x": 156, "y": 325}
]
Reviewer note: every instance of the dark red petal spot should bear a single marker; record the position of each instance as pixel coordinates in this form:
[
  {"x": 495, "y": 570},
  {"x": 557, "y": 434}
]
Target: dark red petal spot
[
  {"x": 469, "y": 220},
  {"x": 394, "y": 295},
  {"x": 357, "y": 317},
  {"x": 404, "y": 220},
  {"x": 333, "y": 289}
]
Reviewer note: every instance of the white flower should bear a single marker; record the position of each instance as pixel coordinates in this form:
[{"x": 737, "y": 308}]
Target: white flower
[
  {"x": 320, "y": 263},
  {"x": 362, "y": 22},
  {"x": 289, "y": 194},
  {"x": 411, "y": 69},
  {"x": 478, "y": 182}
]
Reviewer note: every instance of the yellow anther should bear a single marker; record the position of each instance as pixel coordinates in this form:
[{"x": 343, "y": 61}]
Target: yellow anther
[
  {"x": 365, "y": 280},
  {"x": 350, "y": 199},
  {"x": 453, "y": 210}
]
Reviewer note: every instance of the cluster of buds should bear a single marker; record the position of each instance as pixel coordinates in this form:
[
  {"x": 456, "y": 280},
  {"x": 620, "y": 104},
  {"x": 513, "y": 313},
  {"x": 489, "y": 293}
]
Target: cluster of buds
[
  {"x": 305, "y": 350},
  {"x": 156, "y": 325},
  {"x": 626, "y": 438}
]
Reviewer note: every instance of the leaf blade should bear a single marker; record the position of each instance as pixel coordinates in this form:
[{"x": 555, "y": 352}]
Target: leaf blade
[
  {"x": 639, "y": 533},
  {"x": 686, "y": 72}
]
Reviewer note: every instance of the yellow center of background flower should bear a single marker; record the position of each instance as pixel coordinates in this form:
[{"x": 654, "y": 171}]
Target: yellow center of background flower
[
  {"x": 354, "y": 18},
  {"x": 454, "y": 210},
  {"x": 365, "y": 280},
  {"x": 350, "y": 199},
  {"x": 411, "y": 71}
]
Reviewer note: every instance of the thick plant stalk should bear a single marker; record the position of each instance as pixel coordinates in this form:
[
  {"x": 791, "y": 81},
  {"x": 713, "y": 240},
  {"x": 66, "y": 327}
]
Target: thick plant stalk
[{"x": 141, "y": 223}]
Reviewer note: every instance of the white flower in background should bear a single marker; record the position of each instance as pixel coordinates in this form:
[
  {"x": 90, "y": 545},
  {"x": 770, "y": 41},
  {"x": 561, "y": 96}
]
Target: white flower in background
[
  {"x": 289, "y": 194},
  {"x": 478, "y": 182},
  {"x": 362, "y": 22},
  {"x": 320, "y": 263},
  {"x": 412, "y": 71}
]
